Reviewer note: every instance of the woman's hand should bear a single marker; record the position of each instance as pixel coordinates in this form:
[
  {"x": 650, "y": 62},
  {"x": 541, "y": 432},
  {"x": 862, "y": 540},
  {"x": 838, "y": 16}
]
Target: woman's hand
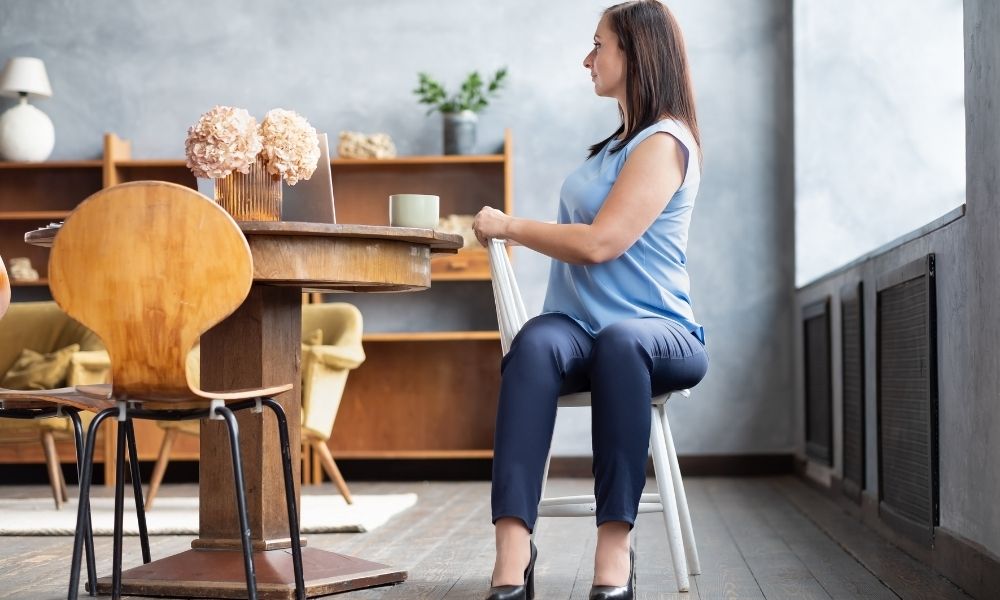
[{"x": 490, "y": 223}]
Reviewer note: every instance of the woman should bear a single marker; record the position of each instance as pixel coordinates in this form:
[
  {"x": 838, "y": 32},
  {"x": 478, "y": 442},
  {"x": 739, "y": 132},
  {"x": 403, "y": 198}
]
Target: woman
[{"x": 617, "y": 317}]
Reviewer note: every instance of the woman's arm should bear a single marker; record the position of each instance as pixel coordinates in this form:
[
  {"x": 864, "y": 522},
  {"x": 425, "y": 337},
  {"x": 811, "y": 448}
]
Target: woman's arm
[{"x": 651, "y": 175}]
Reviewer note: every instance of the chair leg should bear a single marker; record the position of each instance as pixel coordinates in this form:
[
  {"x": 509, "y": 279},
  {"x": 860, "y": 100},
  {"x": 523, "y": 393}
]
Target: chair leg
[
  {"x": 668, "y": 502},
  {"x": 62, "y": 481},
  {"x": 545, "y": 480},
  {"x": 306, "y": 466},
  {"x": 52, "y": 462},
  {"x": 687, "y": 531},
  {"x": 330, "y": 466},
  {"x": 88, "y": 539},
  {"x": 161, "y": 467},
  {"x": 83, "y": 509},
  {"x": 140, "y": 510},
  {"x": 241, "y": 499},
  {"x": 293, "y": 515},
  {"x": 116, "y": 564}
]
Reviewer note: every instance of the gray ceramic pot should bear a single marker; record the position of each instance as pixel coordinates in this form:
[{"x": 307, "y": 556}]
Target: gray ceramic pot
[{"x": 460, "y": 132}]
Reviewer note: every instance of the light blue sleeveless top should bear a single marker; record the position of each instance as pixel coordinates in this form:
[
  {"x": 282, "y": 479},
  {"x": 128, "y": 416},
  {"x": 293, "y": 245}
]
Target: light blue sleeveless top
[{"x": 650, "y": 279}]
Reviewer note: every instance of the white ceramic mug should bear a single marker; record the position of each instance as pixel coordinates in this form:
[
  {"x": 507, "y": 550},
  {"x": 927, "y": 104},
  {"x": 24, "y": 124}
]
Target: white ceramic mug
[{"x": 413, "y": 210}]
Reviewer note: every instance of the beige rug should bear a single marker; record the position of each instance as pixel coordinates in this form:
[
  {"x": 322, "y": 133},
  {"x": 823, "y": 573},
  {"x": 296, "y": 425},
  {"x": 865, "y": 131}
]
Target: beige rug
[{"x": 179, "y": 516}]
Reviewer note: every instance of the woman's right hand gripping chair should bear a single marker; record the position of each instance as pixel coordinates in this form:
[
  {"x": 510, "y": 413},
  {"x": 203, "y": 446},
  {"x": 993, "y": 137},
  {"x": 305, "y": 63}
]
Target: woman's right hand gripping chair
[{"x": 331, "y": 347}]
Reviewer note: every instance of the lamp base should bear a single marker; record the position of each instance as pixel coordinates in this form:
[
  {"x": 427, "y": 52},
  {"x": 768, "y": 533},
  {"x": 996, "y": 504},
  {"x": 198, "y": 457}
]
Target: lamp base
[{"x": 26, "y": 134}]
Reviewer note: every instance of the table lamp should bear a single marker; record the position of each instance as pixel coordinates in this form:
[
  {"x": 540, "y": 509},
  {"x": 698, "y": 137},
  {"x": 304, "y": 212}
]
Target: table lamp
[{"x": 26, "y": 133}]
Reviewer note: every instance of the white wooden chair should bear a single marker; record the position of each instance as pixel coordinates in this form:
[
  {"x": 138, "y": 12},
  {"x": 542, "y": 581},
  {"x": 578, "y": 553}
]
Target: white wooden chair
[{"x": 670, "y": 500}]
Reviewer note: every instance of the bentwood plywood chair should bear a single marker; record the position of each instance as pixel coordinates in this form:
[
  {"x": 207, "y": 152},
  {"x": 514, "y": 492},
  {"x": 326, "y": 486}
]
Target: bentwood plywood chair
[
  {"x": 149, "y": 266},
  {"x": 671, "y": 499}
]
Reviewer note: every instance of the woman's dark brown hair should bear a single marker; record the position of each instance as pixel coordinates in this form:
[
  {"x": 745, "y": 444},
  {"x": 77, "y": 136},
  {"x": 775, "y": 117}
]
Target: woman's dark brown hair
[{"x": 657, "y": 75}]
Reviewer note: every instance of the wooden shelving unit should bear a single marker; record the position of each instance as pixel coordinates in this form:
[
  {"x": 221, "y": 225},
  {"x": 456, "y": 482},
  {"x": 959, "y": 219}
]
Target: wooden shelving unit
[{"x": 419, "y": 395}]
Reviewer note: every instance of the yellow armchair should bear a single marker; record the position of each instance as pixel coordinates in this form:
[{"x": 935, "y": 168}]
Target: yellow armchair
[
  {"x": 324, "y": 374},
  {"x": 325, "y": 366},
  {"x": 44, "y": 327}
]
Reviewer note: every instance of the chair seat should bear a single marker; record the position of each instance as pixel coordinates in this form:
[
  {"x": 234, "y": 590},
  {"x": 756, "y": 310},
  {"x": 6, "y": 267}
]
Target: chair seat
[
  {"x": 32, "y": 399},
  {"x": 582, "y": 399},
  {"x": 196, "y": 397}
]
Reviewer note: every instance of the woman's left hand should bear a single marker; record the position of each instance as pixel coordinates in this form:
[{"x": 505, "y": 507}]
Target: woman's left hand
[{"x": 490, "y": 223}]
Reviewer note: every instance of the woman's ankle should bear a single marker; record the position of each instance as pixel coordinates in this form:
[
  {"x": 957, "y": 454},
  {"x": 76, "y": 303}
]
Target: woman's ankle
[{"x": 513, "y": 551}]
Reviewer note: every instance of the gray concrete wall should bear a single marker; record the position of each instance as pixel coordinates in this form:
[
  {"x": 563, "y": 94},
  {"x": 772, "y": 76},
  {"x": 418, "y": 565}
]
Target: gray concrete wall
[
  {"x": 879, "y": 124},
  {"x": 147, "y": 70},
  {"x": 974, "y": 502}
]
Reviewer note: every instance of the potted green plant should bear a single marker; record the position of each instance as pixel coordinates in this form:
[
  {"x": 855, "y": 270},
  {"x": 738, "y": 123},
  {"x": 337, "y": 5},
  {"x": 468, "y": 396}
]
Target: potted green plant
[{"x": 459, "y": 109}]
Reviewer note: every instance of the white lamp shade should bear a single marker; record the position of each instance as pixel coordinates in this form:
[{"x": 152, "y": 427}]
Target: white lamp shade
[{"x": 26, "y": 75}]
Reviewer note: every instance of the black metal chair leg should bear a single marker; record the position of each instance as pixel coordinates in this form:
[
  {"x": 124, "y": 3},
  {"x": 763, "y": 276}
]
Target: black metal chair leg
[
  {"x": 116, "y": 565},
  {"x": 83, "y": 509},
  {"x": 88, "y": 539},
  {"x": 293, "y": 516},
  {"x": 140, "y": 507},
  {"x": 241, "y": 499}
]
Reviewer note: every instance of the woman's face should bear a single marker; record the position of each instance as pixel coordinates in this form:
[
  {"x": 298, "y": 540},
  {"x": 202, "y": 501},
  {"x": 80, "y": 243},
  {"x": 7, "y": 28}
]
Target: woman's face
[{"x": 606, "y": 63}]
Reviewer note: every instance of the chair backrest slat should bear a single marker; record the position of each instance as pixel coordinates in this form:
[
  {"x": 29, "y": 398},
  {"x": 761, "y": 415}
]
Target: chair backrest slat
[
  {"x": 149, "y": 266},
  {"x": 511, "y": 314}
]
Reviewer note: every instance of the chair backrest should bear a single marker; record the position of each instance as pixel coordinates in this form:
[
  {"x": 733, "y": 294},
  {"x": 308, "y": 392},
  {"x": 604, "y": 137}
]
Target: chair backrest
[
  {"x": 149, "y": 266},
  {"x": 511, "y": 315},
  {"x": 341, "y": 322},
  {"x": 4, "y": 289}
]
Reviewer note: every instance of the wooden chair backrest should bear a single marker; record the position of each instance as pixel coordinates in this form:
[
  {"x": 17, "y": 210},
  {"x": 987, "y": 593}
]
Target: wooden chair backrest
[
  {"x": 149, "y": 266},
  {"x": 4, "y": 289}
]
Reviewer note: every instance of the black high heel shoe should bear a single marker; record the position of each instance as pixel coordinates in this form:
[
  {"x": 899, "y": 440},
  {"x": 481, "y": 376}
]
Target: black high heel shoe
[
  {"x": 611, "y": 592},
  {"x": 525, "y": 591}
]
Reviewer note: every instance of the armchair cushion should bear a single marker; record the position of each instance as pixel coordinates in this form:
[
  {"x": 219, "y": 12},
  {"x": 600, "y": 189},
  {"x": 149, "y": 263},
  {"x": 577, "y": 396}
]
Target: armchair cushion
[
  {"x": 37, "y": 371},
  {"x": 42, "y": 327}
]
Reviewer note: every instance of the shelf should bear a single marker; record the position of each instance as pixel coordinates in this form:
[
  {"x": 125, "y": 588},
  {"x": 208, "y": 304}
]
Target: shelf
[
  {"x": 421, "y": 160},
  {"x": 337, "y": 162},
  {"x": 460, "y": 277},
  {"x": 55, "y": 164},
  {"x": 34, "y": 215},
  {"x": 37, "y": 283},
  {"x": 410, "y": 454},
  {"x": 432, "y": 336},
  {"x": 154, "y": 162}
]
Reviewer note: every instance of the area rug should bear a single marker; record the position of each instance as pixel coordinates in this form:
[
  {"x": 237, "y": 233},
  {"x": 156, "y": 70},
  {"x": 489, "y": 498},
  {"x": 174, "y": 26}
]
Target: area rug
[{"x": 179, "y": 516}]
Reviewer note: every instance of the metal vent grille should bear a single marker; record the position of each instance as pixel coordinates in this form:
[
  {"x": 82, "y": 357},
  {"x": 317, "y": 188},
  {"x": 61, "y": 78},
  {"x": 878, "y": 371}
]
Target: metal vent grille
[
  {"x": 819, "y": 418},
  {"x": 907, "y": 399},
  {"x": 853, "y": 361}
]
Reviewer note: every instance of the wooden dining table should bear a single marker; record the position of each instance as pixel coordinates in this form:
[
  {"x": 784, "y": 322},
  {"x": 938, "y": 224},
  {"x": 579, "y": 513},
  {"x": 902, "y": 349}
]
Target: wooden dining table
[{"x": 259, "y": 346}]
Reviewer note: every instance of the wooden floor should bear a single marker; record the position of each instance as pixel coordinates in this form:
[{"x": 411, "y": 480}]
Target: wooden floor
[{"x": 757, "y": 537}]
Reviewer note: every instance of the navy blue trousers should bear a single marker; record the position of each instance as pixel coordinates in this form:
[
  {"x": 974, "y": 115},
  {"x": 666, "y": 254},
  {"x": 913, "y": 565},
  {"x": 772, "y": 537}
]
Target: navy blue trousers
[{"x": 623, "y": 368}]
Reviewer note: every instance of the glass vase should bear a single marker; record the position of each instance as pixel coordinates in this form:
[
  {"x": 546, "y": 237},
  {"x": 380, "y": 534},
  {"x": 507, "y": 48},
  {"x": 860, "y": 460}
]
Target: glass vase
[{"x": 254, "y": 196}]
